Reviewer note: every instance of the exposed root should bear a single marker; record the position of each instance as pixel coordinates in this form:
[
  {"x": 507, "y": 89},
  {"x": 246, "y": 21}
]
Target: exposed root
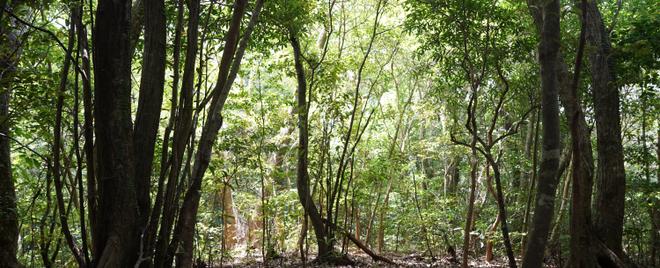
[{"x": 606, "y": 258}]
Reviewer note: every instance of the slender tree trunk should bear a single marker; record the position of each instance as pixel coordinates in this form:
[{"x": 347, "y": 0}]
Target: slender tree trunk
[
  {"x": 502, "y": 213},
  {"x": 474, "y": 169},
  {"x": 116, "y": 244},
  {"x": 489, "y": 244},
  {"x": 76, "y": 147},
  {"x": 165, "y": 164},
  {"x": 181, "y": 136},
  {"x": 228, "y": 70},
  {"x": 390, "y": 156},
  {"x": 88, "y": 123},
  {"x": 57, "y": 146},
  {"x": 149, "y": 104},
  {"x": 532, "y": 182},
  {"x": 547, "y": 184},
  {"x": 302, "y": 182},
  {"x": 452, "y": 176},
  {"x": 610, "y": 173},
  {"x": 655, "y": 211},
  {"x": 563, "y": 167}
]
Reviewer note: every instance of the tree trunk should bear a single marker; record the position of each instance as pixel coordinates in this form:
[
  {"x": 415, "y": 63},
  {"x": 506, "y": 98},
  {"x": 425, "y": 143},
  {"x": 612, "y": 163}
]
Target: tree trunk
[
  {"x": 547, "y": 184},
  {"x": 57, "y": 146},
  {"x": 474, "y": 169},
  {"x": 229, "y": 67},
  {"x": 563, "y": 166},
  {"x": 149, "y": 104},
  {"x": 302, "y": 182},
  {"x": 116, "y": 243},
  {"x": 655, "y": 211},
  {"x": 452, "y": 176},
  {"x": 8, "y": 212},
  {"x": 229, "y": 219},
  {"x": 181, "y": 136},
  {"x": 610, "y": 173},
  {"x": 531, "y": 183},
  {"x": 88, "y": 124}
]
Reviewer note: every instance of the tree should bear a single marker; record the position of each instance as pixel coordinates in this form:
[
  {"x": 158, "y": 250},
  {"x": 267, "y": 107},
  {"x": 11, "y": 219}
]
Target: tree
[
  {"x": 610, "y": 172},
  {"x": 116, "y": 239},
  {"x": 9, "y": 55},
  {"x": 547, "y": 183}
]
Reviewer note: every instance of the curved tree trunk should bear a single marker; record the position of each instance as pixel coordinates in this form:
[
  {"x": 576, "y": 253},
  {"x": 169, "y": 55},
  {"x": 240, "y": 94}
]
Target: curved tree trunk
[{"x": 302, "y": 182}]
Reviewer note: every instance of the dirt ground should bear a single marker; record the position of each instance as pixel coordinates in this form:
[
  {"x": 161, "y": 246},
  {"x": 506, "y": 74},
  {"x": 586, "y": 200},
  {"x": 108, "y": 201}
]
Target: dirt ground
[{"x": 361, "y": 260}]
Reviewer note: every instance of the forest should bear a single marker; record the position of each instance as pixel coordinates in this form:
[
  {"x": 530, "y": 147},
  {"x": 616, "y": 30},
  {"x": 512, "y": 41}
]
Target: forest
[{"x": 324, "y": 133}]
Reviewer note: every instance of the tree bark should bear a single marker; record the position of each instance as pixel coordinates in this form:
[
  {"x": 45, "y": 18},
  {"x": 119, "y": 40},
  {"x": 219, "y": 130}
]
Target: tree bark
[
  {"x": 117, "y": 236},
  {"x": 8, "y": 212},
  {"x": 182, "y": 129},
  {"x": 149, "y": 103},
  {"x": 547, "y": 184},
  {"x": 302, "y": 182},
  {"x": 88, "y": 123},
  {"x": 57, "y": 146},
  {"x": 228, "y": 71},
  {"x": 610, "y": 172},
  {"x": 474, "y": 169}
]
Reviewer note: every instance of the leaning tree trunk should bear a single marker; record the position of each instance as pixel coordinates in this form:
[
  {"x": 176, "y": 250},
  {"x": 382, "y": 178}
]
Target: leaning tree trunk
[
  {"x": 610, "y": 173},
  {"x": 302, "y": 182},
  {"x": 116, "y": 242},
  {"x": 8, "y": 214},
  {"x": 547, "y": 184}
]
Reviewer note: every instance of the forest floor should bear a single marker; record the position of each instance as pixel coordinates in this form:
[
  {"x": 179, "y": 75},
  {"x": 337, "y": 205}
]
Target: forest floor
[{"x": 362, "y": 260}]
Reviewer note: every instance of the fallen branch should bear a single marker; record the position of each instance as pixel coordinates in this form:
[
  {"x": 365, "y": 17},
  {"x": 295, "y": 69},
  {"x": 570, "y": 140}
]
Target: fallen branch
[{"x": 359, "y": 244}]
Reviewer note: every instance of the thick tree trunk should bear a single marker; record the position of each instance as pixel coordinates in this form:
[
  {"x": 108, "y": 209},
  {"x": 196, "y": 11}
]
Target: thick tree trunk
[
  {"x": 149, "y": 103},
  {"x": 547, "y": 184},
  {"x": 8, "y": 213},
  {"x": 610, "y": 173},
  {"x": 116, "y": 243}
]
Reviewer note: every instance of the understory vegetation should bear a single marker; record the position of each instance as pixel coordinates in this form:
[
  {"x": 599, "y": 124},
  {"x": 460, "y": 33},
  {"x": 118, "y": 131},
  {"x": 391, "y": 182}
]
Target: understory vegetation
[{"x": 208, "y": 133}]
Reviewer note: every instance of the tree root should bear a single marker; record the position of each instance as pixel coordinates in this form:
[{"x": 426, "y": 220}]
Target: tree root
[{"x": 605, "y": 257}]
